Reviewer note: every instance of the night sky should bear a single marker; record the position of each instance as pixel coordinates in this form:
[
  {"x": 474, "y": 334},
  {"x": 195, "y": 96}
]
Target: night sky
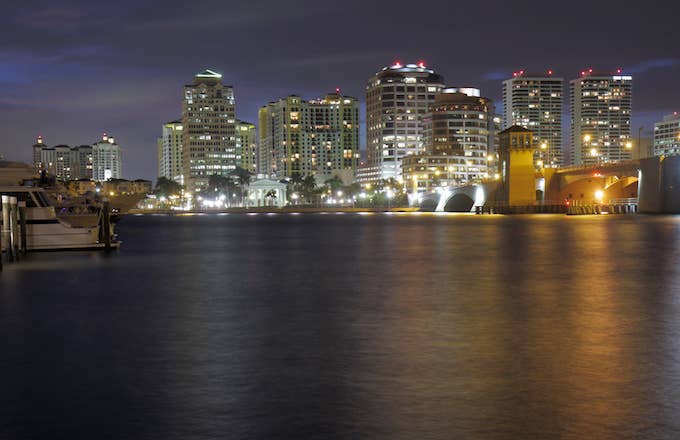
[{"x": 72, "y": 70}]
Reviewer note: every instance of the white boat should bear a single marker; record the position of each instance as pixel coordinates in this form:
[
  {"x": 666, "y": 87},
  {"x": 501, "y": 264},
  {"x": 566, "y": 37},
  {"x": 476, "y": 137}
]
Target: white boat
[{"x": 45, "y": 231}]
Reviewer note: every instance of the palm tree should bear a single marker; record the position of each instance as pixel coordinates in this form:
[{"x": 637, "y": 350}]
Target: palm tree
[
  {"x": 308, "y": 188},
  {"x": 243, "y": 177},
  {"x": 270, "y": 195}
]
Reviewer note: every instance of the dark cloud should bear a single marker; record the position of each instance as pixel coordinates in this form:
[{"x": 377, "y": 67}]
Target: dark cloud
[{"x": 71, "y": 69}]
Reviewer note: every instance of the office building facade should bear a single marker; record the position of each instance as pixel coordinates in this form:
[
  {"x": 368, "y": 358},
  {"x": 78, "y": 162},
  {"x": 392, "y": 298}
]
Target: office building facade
[
  {"x": 170, "y": 163},
  {"x": 535, "y": 101},
  {"x": 459, "y": 134},
  {"x": 209, "y": 130},
  {"x": 601, "y": 106},
  {"x": 667, "y": 136},
  {"x": 397, "y": 99},
  {"x": 106, "y": 160},
  {"x": 317, "y": 137}
]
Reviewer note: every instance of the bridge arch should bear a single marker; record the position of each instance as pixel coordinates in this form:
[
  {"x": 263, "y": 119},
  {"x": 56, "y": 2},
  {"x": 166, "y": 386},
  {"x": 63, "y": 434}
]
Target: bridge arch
[{"x": 459, "y": 202}]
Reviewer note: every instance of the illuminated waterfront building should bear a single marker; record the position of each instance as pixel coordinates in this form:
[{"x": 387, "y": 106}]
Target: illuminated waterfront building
[
  {"x": 534, "y": 101},
  {"x": 63, "y": 162},
  {"x": 459, "y": 133},
  {"x": 209, "y": 130},
  {"x": 667, "y": 135},
  {"x": 601, "y": 107},
  {"x": 246, "y": 145},
  {"x": 170, "y": 163},
  {"x": 106, "y": 159},
  {"x": 317, "y": 137},
  {"x": 397, "y": 99}
]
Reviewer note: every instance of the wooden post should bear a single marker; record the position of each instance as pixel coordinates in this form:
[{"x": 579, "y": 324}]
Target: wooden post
[
  {"x": 2, "y": 232},
  {"x": 13, "y": 228},
  {"x": 106, "y": 224},
  {"x": 5, "y": 226},
  {"x": 22, "y": 225}
]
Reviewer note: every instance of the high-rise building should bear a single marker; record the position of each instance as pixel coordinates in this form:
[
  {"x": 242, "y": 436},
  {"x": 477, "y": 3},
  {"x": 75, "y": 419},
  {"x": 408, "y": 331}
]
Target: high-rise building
[
  {"x": 534, "y": 101},
  {"x": 246, "y": 145},
  {"x": 667, "y": 136},
  {"x": 459, "y": 133},
  {"x": 82, "y": 165},
  {"x": 209, "y": 129},
  {"x": 318, "y": 137},
  {"x": 170, "y": 163},
  {"x": 397, "y": 98},
  {"x": 106, "y": 159},
  {"x": 63, "y": 162},
  {"x": 601, "y": 107}
]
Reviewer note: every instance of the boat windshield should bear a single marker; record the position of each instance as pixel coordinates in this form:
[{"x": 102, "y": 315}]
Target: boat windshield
[
  {"x": 33, "y": 199},
  {"x": 23, "y": 196}
]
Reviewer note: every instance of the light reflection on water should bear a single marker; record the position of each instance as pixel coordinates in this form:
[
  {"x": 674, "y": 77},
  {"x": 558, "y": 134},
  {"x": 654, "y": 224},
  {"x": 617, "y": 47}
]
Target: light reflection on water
[{"x": 354, "y": 326}]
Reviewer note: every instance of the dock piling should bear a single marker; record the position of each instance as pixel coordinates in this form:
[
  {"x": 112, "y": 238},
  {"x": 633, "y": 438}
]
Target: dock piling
[
  {"x": 13, "y": 228},
  {"x": 22, "y": 226},
  {"x": 106, "y": 224},
  {"x": 6, "y": 227}
]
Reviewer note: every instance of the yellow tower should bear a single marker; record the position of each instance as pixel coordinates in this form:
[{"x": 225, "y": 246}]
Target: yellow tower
[{"x": 518, "y": 174}]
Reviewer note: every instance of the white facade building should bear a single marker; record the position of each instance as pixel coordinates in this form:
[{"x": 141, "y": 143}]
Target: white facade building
[
  {"x": 667, "y": 136},
  {"x": 209, "y": 127},
  {"x": 397, "y": 99},
  {"x": 601, "y": 106},
  {"x": 106, "y": 160},
  {"x": 170, "y": 152},
  {"x": 535, "y": 101}
]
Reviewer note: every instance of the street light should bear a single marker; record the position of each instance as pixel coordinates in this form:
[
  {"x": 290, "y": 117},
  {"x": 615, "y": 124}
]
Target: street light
[{"x": 595, "y": 154}]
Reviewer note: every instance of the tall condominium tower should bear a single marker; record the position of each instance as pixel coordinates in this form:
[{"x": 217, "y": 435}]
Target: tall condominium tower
[
  {"x": 170, "y": 163},
  {"x": 667, "y": 135},
  {"x": 318, "y": 137},
  {"x": 459, "y": 134},
  {"x": 106, "y": 159},
  {"x": 600, "y": 117},
  {"x": 209, "y": 129},
  {"x": 397, "y": 98},
  {"x": 63, "y": 162},
  {"x": 534, "y": 101},
  {"x": 246, "y": 145}
]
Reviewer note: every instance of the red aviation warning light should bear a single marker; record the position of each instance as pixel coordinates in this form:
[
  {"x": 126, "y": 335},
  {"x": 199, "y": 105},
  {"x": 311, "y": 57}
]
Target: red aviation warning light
[
  {"x": 550, "y": 72},
  {"x": 397, "y": 63},
  {"x": 421, "y": 64}
]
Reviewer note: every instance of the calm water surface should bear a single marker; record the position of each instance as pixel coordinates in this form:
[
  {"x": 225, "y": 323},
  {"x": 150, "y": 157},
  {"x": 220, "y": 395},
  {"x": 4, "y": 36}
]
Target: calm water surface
[{"x": 349, "y": 326}]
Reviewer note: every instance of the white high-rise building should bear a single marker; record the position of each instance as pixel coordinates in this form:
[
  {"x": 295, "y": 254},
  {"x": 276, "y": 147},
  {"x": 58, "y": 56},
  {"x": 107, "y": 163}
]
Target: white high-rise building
[
  {"x": 209, "y": 127},
  {"x": 601, "y": 106},
  {"x": 106, "y": 160},
  {"x": 535, "y": 101},
  {"x": 397, "y": 99},
  {"x": 170, "y": 163},
  {"x": 319, "y": 137},
  {"x": 667, "y": 136}
]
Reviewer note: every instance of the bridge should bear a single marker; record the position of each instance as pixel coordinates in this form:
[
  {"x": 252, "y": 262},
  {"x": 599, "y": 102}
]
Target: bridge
[{"x": 653, "y": 183}]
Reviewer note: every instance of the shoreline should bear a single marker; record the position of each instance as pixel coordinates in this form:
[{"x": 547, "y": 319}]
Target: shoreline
[{"x": 269, "y": 210}]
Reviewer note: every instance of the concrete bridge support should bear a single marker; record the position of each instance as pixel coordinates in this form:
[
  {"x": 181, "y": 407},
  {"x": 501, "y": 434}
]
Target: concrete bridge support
[{"x": 659, "y": 186}]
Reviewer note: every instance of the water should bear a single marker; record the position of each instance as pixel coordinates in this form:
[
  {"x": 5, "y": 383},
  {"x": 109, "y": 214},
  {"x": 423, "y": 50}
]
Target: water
[{"x": 349, "y": 326}]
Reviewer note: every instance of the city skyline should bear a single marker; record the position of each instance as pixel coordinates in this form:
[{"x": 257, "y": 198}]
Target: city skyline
[{"x": 63, "y": 88}]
